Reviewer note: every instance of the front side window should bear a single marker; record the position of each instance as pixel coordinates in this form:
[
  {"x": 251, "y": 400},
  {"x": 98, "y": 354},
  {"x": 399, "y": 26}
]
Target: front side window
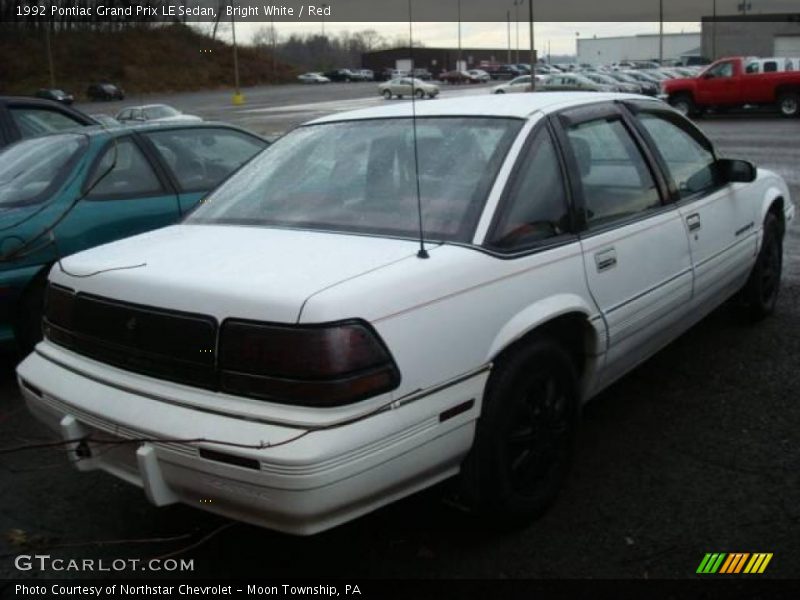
[
  {"x": 31, "y": 169},
  {"x": 536, "y": 208},
  {"x": 200, "y": 158},
  {"x": 721, "y": 70},
  {"x": 753, "y": 67},
  {"x": 361, "y": 176},
  {"x": 33, "y": 121},
  {"x": 616, "y": 181},
  {"x": 130, "y": 174},
  {"x": 689, "y": 158},
  {"x": 160, "y": 112}
]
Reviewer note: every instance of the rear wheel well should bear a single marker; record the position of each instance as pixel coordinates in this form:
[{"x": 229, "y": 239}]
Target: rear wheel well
[
  {"x": 571, "y": 330},
  {"x": 787, "y": 89}
]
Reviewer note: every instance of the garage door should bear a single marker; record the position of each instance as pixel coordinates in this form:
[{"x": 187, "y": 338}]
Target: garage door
[{"x": 787, "y": 45}]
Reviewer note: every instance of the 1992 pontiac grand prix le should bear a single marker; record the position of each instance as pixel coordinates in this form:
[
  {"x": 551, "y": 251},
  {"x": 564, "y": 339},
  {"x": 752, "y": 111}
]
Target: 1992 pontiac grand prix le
[{"x": 378, "y": 303}]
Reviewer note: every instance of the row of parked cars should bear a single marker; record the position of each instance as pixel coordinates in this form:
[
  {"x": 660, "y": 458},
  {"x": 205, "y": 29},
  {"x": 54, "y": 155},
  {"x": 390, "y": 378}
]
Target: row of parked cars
[{"x": 305, "y": 332}]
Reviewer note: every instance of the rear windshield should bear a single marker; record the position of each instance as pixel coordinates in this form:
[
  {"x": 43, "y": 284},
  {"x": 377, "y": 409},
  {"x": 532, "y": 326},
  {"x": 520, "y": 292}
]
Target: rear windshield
[
  {"x": 32, "y": 169},
  {"x": 360, "y": 176}
]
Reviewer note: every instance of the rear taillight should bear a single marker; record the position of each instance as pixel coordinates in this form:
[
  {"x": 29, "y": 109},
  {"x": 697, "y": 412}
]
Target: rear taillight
[{"x": 310, "y": 365}]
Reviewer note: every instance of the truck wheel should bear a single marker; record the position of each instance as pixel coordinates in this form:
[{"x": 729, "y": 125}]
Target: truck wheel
[
  {"x": 684, "y": 104},
  {"x": 760, "y": 293},
  {"x": 525, "y": 435},
  {"x": 789, "y": 104}
]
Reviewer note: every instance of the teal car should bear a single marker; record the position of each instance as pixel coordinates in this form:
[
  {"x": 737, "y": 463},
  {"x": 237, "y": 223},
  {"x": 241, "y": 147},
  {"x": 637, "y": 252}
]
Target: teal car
[{"x": 68, "y": 191}]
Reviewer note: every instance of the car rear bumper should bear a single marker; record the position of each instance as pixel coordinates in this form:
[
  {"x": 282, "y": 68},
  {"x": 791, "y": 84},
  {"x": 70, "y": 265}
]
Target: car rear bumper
[{"x": 319, "y": 480}]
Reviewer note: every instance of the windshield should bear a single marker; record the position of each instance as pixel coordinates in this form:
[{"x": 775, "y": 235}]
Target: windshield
[
  {"x": 160, "y": 112},
  {"x": 31, "y": 169},
  {"x": 359, "y": 176}
]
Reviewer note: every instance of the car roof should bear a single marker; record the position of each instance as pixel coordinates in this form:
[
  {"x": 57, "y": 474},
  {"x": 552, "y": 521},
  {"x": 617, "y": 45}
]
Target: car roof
[
  {"x": 513, "y": 105},
  {"x": 122, "y": 128}
]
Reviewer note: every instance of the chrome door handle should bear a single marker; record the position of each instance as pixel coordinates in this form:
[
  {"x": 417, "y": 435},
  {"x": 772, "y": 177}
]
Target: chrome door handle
[
  {"x": 605, "y": 259},
  {"x": 693, "y": 222}
]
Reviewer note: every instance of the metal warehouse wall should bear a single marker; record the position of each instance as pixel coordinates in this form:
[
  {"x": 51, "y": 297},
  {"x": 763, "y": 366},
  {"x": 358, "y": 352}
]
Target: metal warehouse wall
[
  {"x": 747, "y": 36},
  {"x": 597, "y": 51}
]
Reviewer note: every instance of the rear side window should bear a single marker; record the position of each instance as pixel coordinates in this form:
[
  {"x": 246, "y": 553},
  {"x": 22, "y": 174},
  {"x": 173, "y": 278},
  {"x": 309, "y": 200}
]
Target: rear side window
[
  {"x": 537, "y": 203},
  {"x": 616, "y": 181},
  {"x": 201, "y": 158},
  {"x": 130, "y": 175},
  {"x": 770, "y": 66},
  {"x": 690, "y": 160},
  {"x": 33, "y": 121}
]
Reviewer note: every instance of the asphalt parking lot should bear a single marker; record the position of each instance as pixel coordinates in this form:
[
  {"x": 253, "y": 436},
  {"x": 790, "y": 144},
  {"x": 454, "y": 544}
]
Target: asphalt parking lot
[{"x": 696, "y": 451}]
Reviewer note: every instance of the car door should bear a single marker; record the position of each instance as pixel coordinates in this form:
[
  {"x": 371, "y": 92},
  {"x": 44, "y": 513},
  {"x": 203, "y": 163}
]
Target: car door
[
  {"x": 635, "y": 249},
  {"x": 718, "y": 85},
  {"x": 720, "y": 218},
  {"x": 125, "y": 194},
  {"x": 198, "y": 159}
]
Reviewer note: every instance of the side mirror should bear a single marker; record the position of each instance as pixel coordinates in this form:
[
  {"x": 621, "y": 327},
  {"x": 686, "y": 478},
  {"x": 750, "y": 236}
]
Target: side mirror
[{"x": 732, "y": 170}]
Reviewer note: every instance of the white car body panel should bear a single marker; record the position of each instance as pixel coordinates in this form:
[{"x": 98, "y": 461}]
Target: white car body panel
[{"x": 444, "y": 320}]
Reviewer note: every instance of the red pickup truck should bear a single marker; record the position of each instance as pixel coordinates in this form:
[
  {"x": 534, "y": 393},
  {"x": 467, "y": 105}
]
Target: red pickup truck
[{"x": 727, "y": 83}]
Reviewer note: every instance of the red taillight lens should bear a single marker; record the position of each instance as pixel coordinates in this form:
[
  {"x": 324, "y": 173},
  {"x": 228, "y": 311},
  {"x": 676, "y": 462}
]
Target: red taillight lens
[{"x": 319, "y": 365}]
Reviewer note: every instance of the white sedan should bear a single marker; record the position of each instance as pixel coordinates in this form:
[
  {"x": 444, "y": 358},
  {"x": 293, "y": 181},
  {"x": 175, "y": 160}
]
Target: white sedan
[
  {"x": 408, "y": 86},
  {"x": 516, "y": 85},
  {"x": 163, "y": 113},
  {"x": 447, "y": 294},
  {"x": 313, "y": 78}
]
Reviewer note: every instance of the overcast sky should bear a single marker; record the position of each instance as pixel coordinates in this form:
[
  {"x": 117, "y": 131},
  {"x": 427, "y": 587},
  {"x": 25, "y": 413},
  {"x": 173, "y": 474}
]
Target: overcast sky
[{"x": 479, "y": 35}]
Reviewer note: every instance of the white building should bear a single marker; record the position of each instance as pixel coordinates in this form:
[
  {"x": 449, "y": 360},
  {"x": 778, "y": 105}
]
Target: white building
[{"x": 602, "y": 51}]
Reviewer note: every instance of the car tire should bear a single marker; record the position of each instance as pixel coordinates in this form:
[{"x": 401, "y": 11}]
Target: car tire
[
  {"x": 789, "y": 104},
  {"x": 30, "y": 310},
  {"x": 524, "y": 438},
  {"x": 387, "y": 94},
  {"x": 684, "y": 104},
  {"x": 420, "y": 94},
  {"x": 499, "y": 92},
  {"x": 760, "y": 293}
]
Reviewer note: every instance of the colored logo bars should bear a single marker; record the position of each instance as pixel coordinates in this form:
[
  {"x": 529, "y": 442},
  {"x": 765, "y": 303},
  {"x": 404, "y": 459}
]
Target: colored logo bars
[{"x": 735, "y": 562}]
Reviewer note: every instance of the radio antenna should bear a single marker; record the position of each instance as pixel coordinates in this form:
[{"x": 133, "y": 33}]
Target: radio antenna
[{"x": 422, "y": 253}]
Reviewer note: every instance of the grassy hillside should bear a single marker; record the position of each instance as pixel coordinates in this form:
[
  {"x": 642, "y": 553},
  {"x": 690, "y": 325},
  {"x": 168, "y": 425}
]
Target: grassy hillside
[{"x": 171, "y": 58}]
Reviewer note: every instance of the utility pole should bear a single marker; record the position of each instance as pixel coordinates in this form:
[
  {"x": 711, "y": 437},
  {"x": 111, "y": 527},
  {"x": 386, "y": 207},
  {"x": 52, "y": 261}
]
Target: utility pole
[
  {"x": 458, "y": 64},
  {"x": 238, "y": 98},
  {"x": 660, "y": 32},
  {"x": 714, "y": 30},
  {"x": 274, "y": 40},
  {"x": 533, "y": 51},
  {"x": 508, "y": 23},
  {"x": 517, "y": 4}
]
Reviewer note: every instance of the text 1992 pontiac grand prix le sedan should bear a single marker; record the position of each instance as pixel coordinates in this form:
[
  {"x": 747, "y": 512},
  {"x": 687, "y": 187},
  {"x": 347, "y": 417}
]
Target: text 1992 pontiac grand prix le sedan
[{"x": 289, "y": 352}]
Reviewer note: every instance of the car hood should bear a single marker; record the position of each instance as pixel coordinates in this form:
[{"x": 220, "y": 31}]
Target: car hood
[{"x": 228, "y": 271}]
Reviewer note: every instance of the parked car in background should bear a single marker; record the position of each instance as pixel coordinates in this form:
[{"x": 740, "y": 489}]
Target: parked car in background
[
  {"x": 343, "y": 75},
  {"x": 408, "y": 86},
  {"x": 517, "y": 85},
  {"x": 619, "y": 86},
  {"x": 66, "y": 192},
  {"x": 503, "y": 71},
  {"x": 422, "y": 74},
  {"x": 772, "y": 65},
  {"x": 313, "y": 78},
  {"x": 105, "y": 120},
  {"x": 104, "y": 91},
  {"x": 650, "y": 85},
  {"x": 575, "y": 82},
  {"x": 303, "y": 358},
  {"x": 647, "y": 88},
  {"x": 56, "y": 95},
  {"x": 456, "y": 77},
  {"x": 23, "y": 117},
  {"x": 155, "y": 112},
  {"x": 367, "y": 74},
  {"x": 726, "y": 84},
  {"x": 479, "y": 76}
]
